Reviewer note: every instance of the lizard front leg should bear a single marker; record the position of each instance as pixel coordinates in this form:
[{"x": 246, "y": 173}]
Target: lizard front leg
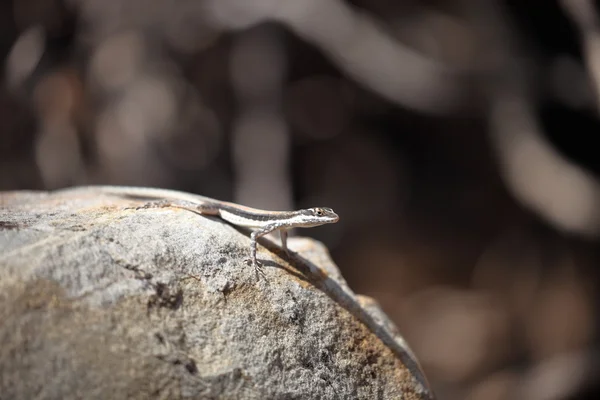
[
  {"x": 283, "y": 233},
  {"x": 253, "y": 245}
]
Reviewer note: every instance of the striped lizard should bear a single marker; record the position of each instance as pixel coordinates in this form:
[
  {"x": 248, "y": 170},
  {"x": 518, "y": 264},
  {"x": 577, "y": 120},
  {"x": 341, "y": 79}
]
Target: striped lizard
[{"x": 263, "y": 221}]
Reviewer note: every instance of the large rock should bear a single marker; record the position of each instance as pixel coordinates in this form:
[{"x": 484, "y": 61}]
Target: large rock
[{"x": 100, "y": 300}]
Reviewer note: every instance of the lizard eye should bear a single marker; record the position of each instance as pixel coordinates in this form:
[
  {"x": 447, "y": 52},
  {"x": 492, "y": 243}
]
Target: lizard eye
[{"x": 319, "y": 212}]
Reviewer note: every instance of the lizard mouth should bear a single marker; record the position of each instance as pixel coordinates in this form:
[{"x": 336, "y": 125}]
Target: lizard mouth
[{"x": 333, "y": 219}]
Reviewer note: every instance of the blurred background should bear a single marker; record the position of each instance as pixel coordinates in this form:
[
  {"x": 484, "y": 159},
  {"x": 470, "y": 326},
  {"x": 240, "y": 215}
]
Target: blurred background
[{"x": 454, "y": 138}]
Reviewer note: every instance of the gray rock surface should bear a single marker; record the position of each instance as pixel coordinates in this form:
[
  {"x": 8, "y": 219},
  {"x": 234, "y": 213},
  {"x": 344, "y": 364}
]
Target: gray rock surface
[{"x": 99, "y": 300}]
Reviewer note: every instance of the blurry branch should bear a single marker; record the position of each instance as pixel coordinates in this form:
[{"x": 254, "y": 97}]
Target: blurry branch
[
  {"x": 538, "y": 176},
  {"x": 260, "y": 136},
  {"x": 541, "y": 178},
  {"x": 360, "y": 47},
  {"x": 24, "y": 56},
  {"x": 584, "y": 15},
  {"x": 560, "y": 377}
]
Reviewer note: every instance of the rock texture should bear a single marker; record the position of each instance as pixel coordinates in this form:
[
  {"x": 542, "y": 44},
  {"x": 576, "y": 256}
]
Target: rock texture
[{"x": 100, "y": 300}]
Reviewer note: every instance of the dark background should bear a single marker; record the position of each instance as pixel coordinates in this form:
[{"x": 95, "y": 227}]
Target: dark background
[{"x": 456, "y": 139}]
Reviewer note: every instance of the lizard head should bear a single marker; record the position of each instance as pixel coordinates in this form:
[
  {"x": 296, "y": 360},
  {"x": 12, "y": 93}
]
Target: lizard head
[{"x": 323, "y": 215}]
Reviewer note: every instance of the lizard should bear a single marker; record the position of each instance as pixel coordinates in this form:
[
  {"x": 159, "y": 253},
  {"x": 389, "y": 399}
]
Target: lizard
[{"x": 262, "y": 221}]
